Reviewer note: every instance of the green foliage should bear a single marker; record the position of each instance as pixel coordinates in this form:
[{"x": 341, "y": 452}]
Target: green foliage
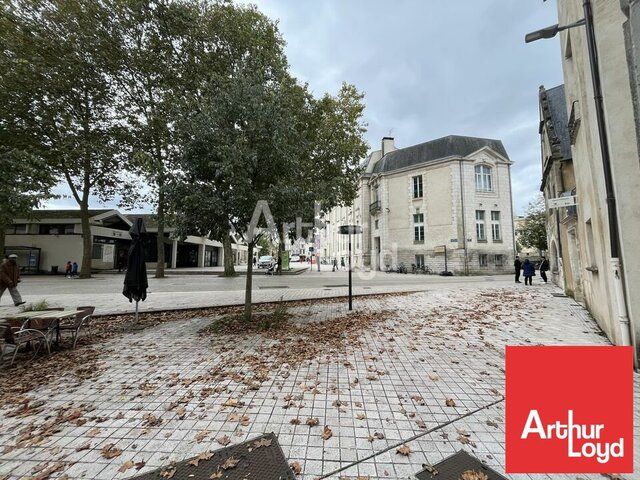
[
  {"x": 26, "y": 182},
  {"x": 36, "y": 306},
  {"x": 533, "y": 232}
]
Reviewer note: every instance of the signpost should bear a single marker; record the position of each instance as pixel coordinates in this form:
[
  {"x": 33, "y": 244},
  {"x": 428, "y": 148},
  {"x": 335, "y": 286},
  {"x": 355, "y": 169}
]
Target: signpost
[
  {"x": 560, "y": 202},
  {"x": 350, "y": 230}
]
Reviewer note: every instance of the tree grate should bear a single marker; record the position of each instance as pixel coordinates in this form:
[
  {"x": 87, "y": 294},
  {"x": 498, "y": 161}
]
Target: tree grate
[
  {"x": 260, "y": 458},
  {"x": 453, "y": 467}
]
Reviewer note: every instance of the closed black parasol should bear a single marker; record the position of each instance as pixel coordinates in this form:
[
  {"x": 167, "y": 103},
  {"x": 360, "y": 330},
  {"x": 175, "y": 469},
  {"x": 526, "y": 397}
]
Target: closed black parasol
[{"x": 135, "y": 281}]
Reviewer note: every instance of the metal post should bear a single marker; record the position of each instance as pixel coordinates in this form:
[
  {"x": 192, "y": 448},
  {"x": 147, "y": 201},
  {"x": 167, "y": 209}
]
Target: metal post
[
  {"x": 445, "y": 259},
  {"x": 350, "y": 285},
  {"x": 136, "y": 311}
]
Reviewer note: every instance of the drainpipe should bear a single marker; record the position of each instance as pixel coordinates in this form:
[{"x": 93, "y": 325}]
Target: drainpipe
[
  {"x": 614, "y": 261},
  {"x": 464, "y": 228}
]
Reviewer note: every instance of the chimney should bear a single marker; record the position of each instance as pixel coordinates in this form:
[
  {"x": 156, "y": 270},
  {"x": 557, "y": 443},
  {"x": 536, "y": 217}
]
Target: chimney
[{"x": 388, "y": 145}]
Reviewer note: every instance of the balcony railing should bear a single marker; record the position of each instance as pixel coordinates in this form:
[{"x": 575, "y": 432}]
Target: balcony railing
[{"x": 375, "y": 207}]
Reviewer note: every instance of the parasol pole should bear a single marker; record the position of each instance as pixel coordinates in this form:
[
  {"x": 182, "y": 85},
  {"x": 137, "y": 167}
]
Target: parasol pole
[{"x": 137, "y": 311}]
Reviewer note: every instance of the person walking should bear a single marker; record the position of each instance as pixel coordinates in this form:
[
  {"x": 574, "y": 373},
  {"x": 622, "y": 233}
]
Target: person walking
[
  {"x": 517, "y": 264},
  {"x": 67, "y": 269},
  {"x": 10, "y": 278},
  {"x": 74, "y": 269},
  {"x": 544, "y": 268},
  {"x": 529, "y": 270}
]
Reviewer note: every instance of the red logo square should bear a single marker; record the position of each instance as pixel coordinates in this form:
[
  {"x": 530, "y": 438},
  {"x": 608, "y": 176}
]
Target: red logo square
[{"x": 569, "y": 409}]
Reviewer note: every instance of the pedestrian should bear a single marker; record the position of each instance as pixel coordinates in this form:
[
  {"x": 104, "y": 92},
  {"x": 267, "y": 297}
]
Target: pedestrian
[
  {"x": 342, "y": 266},
  {"x": 254, "y": 262},
  {"x": 544, "y": 268},
  {"x": 10, "y": 278},
  {"x": 74, "y": 269},
  {"x": 121, "y": 261},
  {"x": 67, "y": 269},
  {"x": 335, "y": 265},
  {"x": 518, "y": 266},
  {"x": 529, "y": 270}
]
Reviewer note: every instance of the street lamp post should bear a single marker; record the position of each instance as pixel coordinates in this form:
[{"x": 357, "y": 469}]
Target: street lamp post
[
  {"x": 614, "y": 242},
  {"x": 350, "y": 230}
]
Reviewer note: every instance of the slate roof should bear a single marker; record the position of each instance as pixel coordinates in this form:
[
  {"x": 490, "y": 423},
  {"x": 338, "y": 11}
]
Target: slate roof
[
  {"x": 427, "y": 152},
  {"x": 554, "y": 107}
]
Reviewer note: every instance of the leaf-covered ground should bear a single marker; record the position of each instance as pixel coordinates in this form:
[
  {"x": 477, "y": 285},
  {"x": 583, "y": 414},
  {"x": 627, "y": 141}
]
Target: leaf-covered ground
[{"x": 334, "y": 386}]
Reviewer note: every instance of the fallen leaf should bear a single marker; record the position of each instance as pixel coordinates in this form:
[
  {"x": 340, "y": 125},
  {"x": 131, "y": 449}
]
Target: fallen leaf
[
  {"x": 327, "y": 433},
  {"x": 473, "y": 475},
  {"x": 168, "y": 472},
  {"x": 84, "y": 446},
  {"x": 224, "y": 440},
  {"x": 450, "y": 402},
  {"x": 110, "y": 451},
  {"x": 200, "y": 457},
  {"x": 296, "y": 467},
  {"x": 201, "y": 435},
  {"x": 295, "y": 421},
  {"x": 263, "y": 442},
  {"x": 361, "y": 416},
  {"x": 404, "y": 450},
  {"x": 312, "y": 422},
  {"x": 126, "y": 466},
  {"x": 230, "y": 463}
]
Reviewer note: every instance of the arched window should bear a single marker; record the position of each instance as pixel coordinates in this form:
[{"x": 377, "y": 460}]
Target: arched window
[{"x": 484, "y": 178}]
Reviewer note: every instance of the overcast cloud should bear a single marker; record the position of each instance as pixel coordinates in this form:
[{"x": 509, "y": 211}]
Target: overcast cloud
[{"x": 431, "y": 68}]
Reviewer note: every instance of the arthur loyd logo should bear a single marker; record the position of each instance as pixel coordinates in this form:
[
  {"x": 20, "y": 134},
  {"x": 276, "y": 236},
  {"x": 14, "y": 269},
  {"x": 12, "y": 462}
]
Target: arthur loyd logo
[{"x": 569, "y": 409}]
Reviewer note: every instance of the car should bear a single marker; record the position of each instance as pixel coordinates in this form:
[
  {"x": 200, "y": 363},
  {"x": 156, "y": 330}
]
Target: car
[
  {"x": 294, "y": 258},
  {"x": 266, "y": 261}
]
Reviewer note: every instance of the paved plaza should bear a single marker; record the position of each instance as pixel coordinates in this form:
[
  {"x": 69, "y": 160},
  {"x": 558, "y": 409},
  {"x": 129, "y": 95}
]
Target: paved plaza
[
  {"x": 339, "y": 389},
  {"x": 179, "y": 291}
]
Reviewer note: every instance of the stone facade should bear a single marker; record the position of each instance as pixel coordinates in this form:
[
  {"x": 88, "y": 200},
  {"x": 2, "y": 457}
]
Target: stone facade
[
  {"x": 417, "y": 203},
  {"x": 605, "y": 283}
]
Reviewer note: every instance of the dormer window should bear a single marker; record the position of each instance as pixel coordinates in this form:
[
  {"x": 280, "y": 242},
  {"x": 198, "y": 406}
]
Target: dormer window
[{"x": 484, "y": 178}]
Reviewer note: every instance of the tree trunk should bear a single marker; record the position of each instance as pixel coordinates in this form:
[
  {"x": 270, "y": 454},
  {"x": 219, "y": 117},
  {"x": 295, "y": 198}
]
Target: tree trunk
[
  {"x": 85, "y": 269},
  {"x": 248, "y": 286},
  {"x": 280, "y": 255},
  {"x": 160, "y": 238},
  {"x": 229, "y": 269},
  {"x": 2, "y": 238}
]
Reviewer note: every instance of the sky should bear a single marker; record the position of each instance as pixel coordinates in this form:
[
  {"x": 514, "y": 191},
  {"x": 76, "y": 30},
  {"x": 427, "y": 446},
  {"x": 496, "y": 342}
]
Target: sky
[{"x": 429, "y": 68}]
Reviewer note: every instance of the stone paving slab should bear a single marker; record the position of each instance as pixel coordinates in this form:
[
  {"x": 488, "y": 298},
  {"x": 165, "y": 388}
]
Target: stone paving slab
[{"x": 418, "y": 351}]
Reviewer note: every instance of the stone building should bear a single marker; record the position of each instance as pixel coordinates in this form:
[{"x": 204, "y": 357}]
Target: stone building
[
  {"x": 604, "y": 283},
  {"x": 446, "y": 198},
  {"x": 558, "y": 180}
]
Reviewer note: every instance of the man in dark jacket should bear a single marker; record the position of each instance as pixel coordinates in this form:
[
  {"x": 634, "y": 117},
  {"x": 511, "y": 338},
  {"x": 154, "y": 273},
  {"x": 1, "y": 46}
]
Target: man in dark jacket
[
  {"x": 518, "y": 266},
  {"x": 544, "y": 268},
  {"x": 10, "y": 278},
  {"x": 529, "y": 270}
]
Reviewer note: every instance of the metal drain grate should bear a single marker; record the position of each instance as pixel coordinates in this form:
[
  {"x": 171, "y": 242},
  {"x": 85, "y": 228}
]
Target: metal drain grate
[
  {"x": 264, "y": 461},
  {"x": 272, "y": 287},
  {"x": 336, "y": 286},
  {"x": 560, "y": 295},
  {"x": 453, "y": 467}
]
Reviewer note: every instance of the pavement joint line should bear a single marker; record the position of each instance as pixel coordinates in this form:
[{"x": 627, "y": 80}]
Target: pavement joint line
[{"x": 411, "y": 439}]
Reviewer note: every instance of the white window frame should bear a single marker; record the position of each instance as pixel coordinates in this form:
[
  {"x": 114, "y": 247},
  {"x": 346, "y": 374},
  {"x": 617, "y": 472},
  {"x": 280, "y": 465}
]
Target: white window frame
[
  {"x": 417, "y": 187},
  {"x": 481, "y": 229},
  {"x": 418, "y": 227},
  {"x": 496, "y": 233},
  {"x": 419, "y": 259},
  {"x": 484, "y": 178}
]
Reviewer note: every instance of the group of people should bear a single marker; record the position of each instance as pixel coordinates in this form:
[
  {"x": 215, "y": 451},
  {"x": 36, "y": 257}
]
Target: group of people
[
  {"x": 10, "y": 278},
  {"x": 528, "y": 270},
  {"x": 71, "y": 269}
]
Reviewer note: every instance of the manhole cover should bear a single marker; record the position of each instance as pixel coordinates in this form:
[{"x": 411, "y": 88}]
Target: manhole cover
[
  {"x": 260, "y": 458},
  {"x": 561, "y": 295},
  {"x": 453, "y": 467},
  {"x": 272, "y": 287},
  {"x": 336, "y": 286}
]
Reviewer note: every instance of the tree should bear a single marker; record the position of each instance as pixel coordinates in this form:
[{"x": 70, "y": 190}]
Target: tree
[
  {"x": 533, "y": 232},
  {"x": 26, "y": 182},
  {"x": 148, "y": 61},
  {"x": 58, "y": 95}
]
